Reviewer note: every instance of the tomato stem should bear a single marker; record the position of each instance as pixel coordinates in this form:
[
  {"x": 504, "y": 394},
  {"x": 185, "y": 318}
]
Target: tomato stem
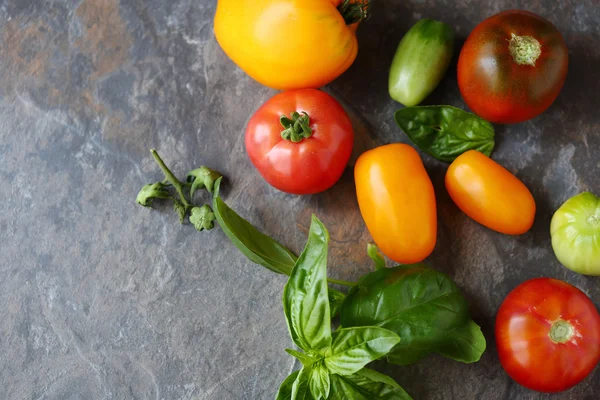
[
  {"x": 561, "y": 331},
  {"x": 355, "y": 11},
  {"x": 297, "y": 127},
  {"x": 525, "y": 50},
  {"x": 593, "y": 220},
  {"x": 171, "y": 178},
  {"x": 341, "y": 282}
]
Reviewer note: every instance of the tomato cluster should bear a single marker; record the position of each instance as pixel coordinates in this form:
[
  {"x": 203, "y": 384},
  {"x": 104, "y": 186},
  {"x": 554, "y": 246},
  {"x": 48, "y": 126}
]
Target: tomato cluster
[{"x": 510, "y": 69}]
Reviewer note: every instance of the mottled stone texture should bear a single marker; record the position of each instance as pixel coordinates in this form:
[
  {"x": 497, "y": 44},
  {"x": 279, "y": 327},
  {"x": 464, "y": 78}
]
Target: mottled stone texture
[{"x": 102, "y": 299}]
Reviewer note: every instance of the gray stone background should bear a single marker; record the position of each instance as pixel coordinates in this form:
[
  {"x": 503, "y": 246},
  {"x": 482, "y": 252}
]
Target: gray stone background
[{"x": 102, "y": 299}]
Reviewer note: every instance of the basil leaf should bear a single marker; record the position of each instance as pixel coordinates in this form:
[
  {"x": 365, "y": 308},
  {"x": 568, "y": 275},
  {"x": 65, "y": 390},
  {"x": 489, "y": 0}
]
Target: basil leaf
[
  {"x": 300, "y": 388},
  {"x": 466, "y": 344},
  {"x": 366, "y": 385},
  {"x": 285, "y": 390},
  {"x": 305, "y": 298},
  {"x": 353, "y": 348},
  {"x": 377, "y": 377},
  {"x": 319, "y": 382},
  {"x": 336, "y": 298},
  {"x": 410, "y": 355},
  {"x": 304, "y": 358},
  {"x": 417, "y": 303},
  {"x": 445, "y": 132},
  {"x": 258, "y": 247}
]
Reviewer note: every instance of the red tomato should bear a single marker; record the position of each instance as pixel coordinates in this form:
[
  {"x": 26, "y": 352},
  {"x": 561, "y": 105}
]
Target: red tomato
[
  {"x": 548, "y": 335},
  {"x": 512, "y": 67},
  {"x": 300, "y": 141}
]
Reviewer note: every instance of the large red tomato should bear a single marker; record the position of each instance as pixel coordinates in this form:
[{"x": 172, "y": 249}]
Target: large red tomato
[
  {"x": 512, "y": 66},
  {"x": 300, "y": 141},
  {"x": 548, "y": 335}
]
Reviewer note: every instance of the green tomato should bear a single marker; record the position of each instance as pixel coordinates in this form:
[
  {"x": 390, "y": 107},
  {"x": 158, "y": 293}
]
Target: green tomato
[
  {"x": 421, "y": 61},
  {"x": 575, "y": 231}
]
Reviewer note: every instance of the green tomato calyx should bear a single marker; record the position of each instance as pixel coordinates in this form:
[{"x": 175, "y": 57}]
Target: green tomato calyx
[
  {"x": 525, "y": 50},
  {"x": 355, "y": 11},
  {"x": 593, "y": 220},
  {"x": 296, "y": 128},
  {"x": 561, "y": 331}
]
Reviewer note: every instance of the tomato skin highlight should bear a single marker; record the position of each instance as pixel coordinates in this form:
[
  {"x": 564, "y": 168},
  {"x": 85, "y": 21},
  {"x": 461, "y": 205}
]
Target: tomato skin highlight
[
  {"x": 496, "y": 87},
  {"x": 524, "y": 335},
  {"x": 490, "y": 194},
  {"x": 311, "y": 165},
  {"x": 397, "y": 202}
]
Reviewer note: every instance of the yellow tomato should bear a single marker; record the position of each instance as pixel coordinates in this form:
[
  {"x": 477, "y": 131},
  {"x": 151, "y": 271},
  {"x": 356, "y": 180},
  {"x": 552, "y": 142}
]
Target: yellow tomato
[
  {"x": 288, "y": 44},
  {"x": 488, "y": 193},
  {"x": 397, "y": 202}
]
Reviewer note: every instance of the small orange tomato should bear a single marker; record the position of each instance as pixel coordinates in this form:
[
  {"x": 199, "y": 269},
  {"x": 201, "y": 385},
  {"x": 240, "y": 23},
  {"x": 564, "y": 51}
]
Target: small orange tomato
[
  {"x": 488, "y": 193},
  {"x": 397, "y": 202}
]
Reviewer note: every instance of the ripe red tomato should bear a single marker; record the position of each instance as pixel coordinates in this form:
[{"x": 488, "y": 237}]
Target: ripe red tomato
[
  {"x": 512, "y": 67},
  {"x": 548, "y": 335},
  {"x": 300, "y": 141}
]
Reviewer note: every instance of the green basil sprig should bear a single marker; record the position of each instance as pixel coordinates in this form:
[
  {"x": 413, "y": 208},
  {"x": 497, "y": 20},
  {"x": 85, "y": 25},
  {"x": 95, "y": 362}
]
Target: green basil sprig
[
  {"x": 285, "y": 390},
  {"x": 258, "y": 247},
  {"x": 465, "y": 344},
  {"x": 353, "y": 348},
  {"x": 305, "y": 298},
  {"x": 445, "y": 132},
  {"x": 423, "y": 306},
  {"x": 336, "y": 299},
  {"x": 332, "y": 362},
  {"x": 366, "y": 384}
]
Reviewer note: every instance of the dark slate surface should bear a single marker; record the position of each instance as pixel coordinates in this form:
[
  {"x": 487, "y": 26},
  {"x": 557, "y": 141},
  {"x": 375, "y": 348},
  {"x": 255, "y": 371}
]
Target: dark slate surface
[{"x": 102, "y": 299}]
